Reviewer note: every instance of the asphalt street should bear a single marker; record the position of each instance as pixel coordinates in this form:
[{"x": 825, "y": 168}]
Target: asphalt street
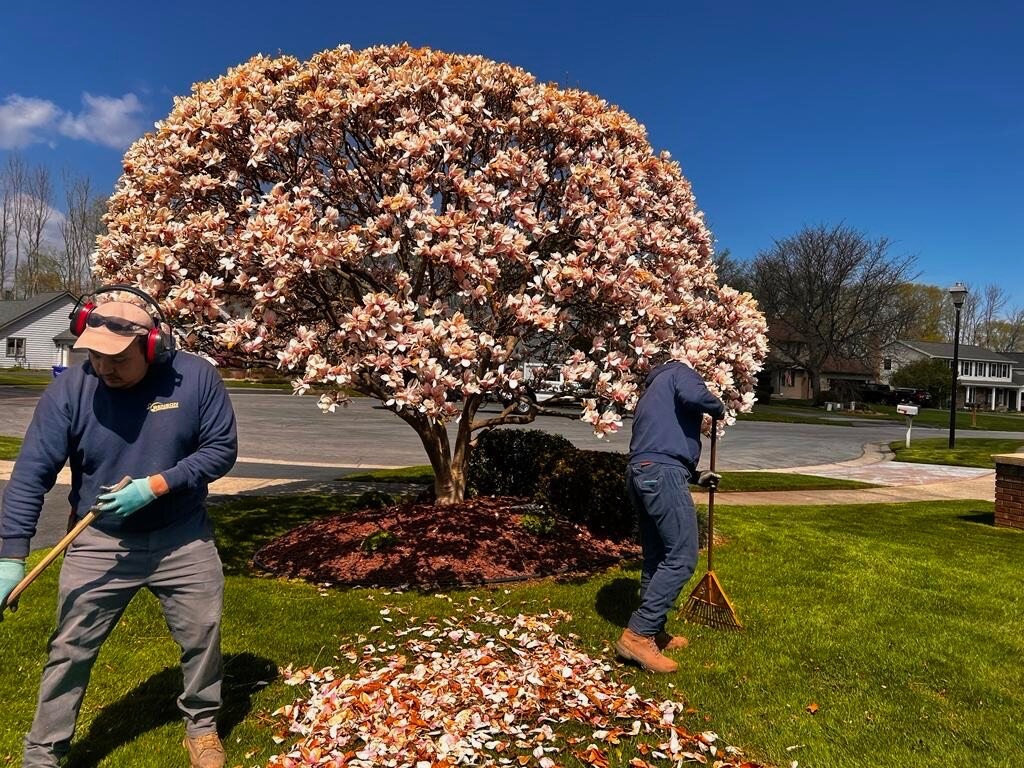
[
  {"x": 282, "y": 436},
  {"x": 281, "y": 433}
]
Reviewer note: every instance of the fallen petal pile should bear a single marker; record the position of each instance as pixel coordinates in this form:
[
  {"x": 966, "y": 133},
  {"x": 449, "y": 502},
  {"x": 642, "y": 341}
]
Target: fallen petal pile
[{"x": 487, "y": 690}]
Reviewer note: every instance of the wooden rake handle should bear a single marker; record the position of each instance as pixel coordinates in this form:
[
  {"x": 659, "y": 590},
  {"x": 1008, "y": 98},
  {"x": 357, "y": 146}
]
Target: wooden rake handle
[
  {"x": 58, "y": 550},
  {"x": 711, "y": 493}
]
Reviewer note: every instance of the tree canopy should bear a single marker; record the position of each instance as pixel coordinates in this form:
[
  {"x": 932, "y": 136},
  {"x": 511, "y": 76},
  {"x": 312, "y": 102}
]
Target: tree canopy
[{"x": 415, "y": 225}]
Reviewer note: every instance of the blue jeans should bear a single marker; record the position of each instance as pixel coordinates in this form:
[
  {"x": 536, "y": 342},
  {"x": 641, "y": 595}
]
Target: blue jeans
[
  {"x": 660, "y": 494},
  {"x": 100, "y": 576}
]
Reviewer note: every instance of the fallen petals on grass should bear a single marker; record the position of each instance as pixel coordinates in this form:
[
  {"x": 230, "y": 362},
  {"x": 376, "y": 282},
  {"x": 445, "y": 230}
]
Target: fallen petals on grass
[{"x": 485, "y": 690}]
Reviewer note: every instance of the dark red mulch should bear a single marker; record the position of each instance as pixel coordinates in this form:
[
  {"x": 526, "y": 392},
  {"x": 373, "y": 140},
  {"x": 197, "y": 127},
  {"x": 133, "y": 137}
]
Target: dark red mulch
[{"x": 475, "y": 541}]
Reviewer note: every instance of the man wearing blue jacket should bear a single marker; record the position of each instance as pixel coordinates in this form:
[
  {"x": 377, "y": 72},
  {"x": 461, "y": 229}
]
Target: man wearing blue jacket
[
  {"x": 663, "y": 455},
  {"x": 139, "y": 409}
]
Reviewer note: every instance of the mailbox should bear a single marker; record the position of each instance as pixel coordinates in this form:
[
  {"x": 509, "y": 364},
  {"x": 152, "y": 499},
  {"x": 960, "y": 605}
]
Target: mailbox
[{"x": 907, "y": 410}]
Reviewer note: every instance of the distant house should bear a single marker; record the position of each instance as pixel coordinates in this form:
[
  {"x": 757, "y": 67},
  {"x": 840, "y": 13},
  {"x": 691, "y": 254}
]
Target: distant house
[
  {"x": 789, "y": 379},
  {"x": 34, "y": 333},
  {"x": 991, "y": 380}
]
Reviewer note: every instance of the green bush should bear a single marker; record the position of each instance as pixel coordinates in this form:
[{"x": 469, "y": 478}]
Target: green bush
[
  {"x": 374, "y": 500},
  {"x": 511, "y": 462},
  {"x": 378, "y": 541},
  {"x": 583, "y": 487}
]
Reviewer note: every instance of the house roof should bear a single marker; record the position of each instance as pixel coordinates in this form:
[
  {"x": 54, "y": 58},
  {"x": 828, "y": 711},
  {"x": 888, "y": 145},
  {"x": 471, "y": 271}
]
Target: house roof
[
  {"x": 966, "y": 351},
  {"x": 12, "y": 311},
  {"x": 833, "y": 365},
  {"x": 1017, "y": 357}
]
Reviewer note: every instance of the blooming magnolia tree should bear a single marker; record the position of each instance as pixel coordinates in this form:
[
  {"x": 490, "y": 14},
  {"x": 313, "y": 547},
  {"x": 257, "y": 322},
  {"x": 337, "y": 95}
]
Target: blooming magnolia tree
[{"x": 415, "y": 225}]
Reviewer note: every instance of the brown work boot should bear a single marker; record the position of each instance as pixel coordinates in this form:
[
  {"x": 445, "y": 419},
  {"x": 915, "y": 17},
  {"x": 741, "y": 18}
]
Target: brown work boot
[
  {"x": 644, "y": 652},
  {"x": 205, "y": 751},
  {"x": 667, "y": 642}
]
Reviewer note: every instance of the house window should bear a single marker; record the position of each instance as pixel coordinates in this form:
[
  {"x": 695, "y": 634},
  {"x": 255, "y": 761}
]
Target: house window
[
  {"x": 1004, "y": 371},
  {"x": 966, "y": 368},
  {"x": 787, "y": 378},
  {"x": 16, "y": 346},
  {"x": 887, "y": 364}
]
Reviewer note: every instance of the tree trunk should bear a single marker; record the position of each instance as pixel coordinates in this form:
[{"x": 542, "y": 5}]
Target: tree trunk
[
  {"x": 451, "y": 468},
  {"x": 449, "y": 475},
  {"x": 815, "y": 378}
]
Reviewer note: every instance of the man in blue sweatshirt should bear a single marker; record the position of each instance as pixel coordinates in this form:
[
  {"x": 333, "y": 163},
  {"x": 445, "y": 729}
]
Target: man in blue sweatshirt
[
  {"x": 663, "y": 456},
  {"x": 139, "y": 409}
]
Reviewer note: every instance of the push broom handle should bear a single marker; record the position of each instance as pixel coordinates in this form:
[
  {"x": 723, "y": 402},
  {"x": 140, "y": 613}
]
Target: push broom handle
[
  {"x": 711, "y": 494},
  {"x": 58, "y": 550}
]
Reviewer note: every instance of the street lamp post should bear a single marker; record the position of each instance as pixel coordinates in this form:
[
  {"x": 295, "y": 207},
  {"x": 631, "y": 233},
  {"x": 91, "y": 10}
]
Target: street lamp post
[{"x": 958, "y": 293}]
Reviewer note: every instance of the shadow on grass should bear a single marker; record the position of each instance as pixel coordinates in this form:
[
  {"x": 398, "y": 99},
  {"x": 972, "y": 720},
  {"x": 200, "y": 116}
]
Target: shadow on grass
[
  {"x": 152, "y": 705},
  {"x": 617, "y": 600},
  {"x": 246, "y": 523},
  {"x": 982, "y": 518}
]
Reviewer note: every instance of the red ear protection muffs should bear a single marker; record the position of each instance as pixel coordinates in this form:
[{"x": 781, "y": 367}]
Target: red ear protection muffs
[{"x": 158, "y": 345}]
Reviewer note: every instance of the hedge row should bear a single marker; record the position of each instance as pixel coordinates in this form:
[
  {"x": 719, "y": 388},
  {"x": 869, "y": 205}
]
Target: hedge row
[{"x": 584, "y": 487}]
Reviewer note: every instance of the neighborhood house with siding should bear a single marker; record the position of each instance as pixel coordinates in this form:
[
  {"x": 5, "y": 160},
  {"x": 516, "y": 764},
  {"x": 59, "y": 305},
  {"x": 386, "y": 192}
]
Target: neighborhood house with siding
[
  {"x": 35, "y": 332},
  {"x": 992, "y": 381}
]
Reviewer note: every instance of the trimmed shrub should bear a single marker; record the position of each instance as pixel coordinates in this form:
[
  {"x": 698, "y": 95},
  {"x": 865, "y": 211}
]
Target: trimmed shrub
[
  {"x": 511, "y": 462},
  {"x": 588, "y": 488}
]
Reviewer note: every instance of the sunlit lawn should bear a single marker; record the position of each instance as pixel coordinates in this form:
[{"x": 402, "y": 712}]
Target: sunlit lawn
[
  {"x": 904, "y": 624},
  {"x": 969, "y": 451}
]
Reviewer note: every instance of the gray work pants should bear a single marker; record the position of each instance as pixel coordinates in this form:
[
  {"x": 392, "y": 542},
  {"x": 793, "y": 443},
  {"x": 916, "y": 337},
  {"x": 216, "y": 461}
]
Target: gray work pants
[{"x": 100, "y": 576}]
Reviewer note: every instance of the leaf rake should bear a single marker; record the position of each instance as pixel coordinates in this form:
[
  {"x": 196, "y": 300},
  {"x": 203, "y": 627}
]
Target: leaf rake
[{"x": 708, "y": 604}]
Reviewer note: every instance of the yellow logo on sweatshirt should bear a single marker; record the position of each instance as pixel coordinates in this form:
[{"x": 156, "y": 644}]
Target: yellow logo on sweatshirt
[{"x": 155, "y": 407}]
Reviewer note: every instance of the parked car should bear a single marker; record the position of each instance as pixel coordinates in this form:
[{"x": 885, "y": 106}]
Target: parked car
[
  {"x": 920, "y": 397},
  {"x": 872, "y": 392}
]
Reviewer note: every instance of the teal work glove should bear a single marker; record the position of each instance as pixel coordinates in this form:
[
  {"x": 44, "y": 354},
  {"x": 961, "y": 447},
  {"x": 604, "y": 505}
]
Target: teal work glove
[
  {"x": 126, "y": 501},
  {"x": 12, "y": 571}
]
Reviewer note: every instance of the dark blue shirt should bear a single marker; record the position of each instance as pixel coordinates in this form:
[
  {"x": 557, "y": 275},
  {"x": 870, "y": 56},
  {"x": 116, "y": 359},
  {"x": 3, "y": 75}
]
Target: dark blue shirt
[
  {"x": 667, "y": 421},
  {"x": 177, "y": 421}
]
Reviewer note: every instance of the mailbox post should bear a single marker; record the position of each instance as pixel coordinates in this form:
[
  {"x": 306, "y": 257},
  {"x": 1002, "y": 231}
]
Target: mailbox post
[{"x": 910, "y": 411}]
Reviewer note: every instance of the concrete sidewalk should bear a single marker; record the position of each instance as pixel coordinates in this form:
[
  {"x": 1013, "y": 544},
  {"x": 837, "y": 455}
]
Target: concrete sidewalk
[{"x": 899, "y": 481}]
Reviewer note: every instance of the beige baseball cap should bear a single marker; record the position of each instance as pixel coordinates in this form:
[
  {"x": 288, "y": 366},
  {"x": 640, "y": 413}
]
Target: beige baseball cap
[{"x": 113, "y": 326}]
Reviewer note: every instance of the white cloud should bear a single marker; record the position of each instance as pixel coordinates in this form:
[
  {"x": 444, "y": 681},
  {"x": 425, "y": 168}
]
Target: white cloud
[
  {"x": 105, "y": 120},
  {"x": 25, "y": 121}
]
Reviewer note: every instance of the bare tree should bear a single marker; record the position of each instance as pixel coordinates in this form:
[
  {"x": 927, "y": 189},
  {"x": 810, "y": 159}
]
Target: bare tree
[
  {"x": 16, "y": 181},
  {"x": 79, "y": 230},
  {"x": 36, "y": 210},
  {"x": 993, "y": 300},
  {"x": 732, "y": 271},
  {"x": 6, "y": 213},
  {"x": 1007, "y": 333},
  {"x": 837, "y": 292}
]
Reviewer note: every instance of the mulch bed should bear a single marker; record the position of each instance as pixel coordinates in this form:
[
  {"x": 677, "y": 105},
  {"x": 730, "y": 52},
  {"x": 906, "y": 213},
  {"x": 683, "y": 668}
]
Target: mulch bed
[{"x": 477, "y": 541}]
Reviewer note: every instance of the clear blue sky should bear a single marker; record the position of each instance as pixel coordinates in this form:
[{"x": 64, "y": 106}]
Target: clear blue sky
[{"x": 904, "y": 120}]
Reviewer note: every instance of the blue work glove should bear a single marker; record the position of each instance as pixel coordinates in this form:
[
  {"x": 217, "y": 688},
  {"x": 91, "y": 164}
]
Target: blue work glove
[
  {"x": 126, "y": 501},
  {"x": 12, "y": 571}
]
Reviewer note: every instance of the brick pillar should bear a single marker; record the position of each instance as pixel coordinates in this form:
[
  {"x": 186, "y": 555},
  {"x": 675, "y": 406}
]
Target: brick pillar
[{"x": 1010, "y": 490}]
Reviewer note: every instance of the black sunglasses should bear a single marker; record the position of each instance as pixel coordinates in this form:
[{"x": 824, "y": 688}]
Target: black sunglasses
[{"x": 120, "y": 327}]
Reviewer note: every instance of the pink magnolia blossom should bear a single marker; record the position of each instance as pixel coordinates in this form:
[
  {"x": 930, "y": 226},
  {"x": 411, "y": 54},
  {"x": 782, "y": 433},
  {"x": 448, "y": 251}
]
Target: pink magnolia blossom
[{"x": 415, "y": 225}]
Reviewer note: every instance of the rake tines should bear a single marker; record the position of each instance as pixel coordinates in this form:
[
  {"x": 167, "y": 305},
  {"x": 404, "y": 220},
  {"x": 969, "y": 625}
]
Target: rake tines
[{"x": 708, "y": 604}]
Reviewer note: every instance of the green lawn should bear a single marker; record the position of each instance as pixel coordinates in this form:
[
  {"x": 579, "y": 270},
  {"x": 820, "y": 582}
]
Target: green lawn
[
  {"x": 731, "y": 481},
  {"x": 913, "y": 657},
  {"x": 969, "y": 452},
  {"x": 9, "y": 447},
  {"x": 21, "y": 377},
  {"x": 804, "y": 413}
]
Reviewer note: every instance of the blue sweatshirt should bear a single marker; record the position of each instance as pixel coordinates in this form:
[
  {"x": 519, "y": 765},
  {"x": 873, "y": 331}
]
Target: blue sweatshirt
[
  {"x": 177, "y": 421},
  {"x": 666, "y": 425}
]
